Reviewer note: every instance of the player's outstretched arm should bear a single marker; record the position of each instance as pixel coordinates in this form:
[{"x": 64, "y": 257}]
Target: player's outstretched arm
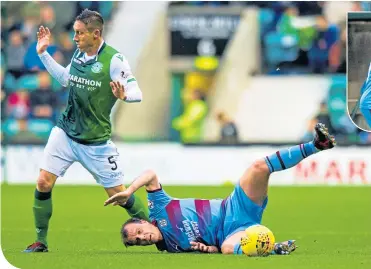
[
  {"x": 56, "y": 70},
  {"x": 148, "y": 179},
  {"x": 198, "y": 246}
]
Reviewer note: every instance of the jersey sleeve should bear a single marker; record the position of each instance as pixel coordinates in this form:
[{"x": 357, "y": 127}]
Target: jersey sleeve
[
  {"x": 60, "y": 73},
  {"x": 157, "y": 201},
  {"x": 120, "y": 71}
]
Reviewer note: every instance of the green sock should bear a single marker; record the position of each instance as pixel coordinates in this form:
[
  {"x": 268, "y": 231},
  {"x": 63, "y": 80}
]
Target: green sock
[
  {"x": 42, "y": 210},
  {"x": 136, "y": 209}
]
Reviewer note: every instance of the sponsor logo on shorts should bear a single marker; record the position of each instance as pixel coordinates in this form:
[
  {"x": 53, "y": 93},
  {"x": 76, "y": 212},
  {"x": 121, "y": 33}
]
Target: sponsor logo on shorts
[{"x": 115, "y": 174}]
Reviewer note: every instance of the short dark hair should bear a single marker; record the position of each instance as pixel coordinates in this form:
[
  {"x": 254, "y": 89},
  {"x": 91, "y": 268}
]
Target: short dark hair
[
  {"x": 92, "y": 20},
  {"x": 124, "y": 233}
]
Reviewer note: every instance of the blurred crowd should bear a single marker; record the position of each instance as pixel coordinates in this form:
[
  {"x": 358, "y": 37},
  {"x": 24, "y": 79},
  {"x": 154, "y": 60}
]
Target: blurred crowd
[
  {"x": 31, "y": 100},
  {"x": 298, "y": 37}
]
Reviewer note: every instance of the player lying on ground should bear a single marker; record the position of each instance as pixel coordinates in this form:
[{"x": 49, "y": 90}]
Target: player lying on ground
[
  {"x": 365, "y": 100},
  {"x": 185, "y": 225},
  {"x": 97, "y": 77}
]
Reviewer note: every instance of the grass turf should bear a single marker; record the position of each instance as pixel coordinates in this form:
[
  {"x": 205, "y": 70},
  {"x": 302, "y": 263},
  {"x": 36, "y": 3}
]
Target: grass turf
[{"x": 331, "y": 225}]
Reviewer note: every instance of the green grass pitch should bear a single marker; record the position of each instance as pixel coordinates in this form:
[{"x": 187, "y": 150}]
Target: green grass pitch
[{"x": 332, "y": 226}]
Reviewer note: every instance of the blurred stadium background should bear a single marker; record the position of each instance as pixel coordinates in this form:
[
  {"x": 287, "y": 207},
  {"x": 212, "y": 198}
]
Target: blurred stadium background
[{"x": 223, "y": 83}]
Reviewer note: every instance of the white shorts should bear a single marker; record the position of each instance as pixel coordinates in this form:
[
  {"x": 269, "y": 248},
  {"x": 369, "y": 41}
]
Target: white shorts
[{"x": 102, "y": 161}]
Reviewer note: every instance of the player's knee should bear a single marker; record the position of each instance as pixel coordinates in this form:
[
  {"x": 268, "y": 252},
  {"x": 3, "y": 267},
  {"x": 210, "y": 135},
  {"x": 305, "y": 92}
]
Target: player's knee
[
  {"x": 44, "y": 183},
  {"x": 260, "y": 167}
]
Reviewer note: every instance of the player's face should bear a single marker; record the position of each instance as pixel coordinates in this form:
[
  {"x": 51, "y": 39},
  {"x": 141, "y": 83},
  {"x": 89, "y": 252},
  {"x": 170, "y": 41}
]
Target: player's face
[
  {"x": 142, "y": 234},
  {"x": 83, "y": 38}
]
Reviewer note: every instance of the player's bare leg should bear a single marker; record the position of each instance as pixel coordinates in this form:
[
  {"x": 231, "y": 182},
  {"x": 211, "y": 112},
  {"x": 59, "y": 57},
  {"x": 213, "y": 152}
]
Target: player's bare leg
[
  {"x": 46, "y": 181},
  {"x": 133, "y": 206},
  {"x": 42, "y": 209},
  {"x": 254, "y": 181}
]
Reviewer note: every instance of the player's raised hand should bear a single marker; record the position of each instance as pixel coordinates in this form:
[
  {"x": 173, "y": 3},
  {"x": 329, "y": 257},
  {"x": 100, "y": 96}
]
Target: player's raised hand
[
  {"x": 43, "y": 39},
  {"x": 118, "y": 90},
  {"x": 198, "y": 246},
  {"x": 118, "y": 198}
]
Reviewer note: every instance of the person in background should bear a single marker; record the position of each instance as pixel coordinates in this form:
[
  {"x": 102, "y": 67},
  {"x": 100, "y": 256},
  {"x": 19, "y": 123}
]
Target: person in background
[
  {"x": 285, "y": 24},
  {"x": 190, "y": 123},
  {"x": 3, "y": 96},
  {"x": 228, "y": 131},
  {"x": 31, "y": 20},
  {"x": 323, "y": 117},
  {"x": 18, "y": 105},
  {"x": 67, "y": 46},
  {"x": 32, "y": 61},
  {"x": 43, "y": 100},
  {"x": 15, "y": 51},
  {"x": 318, "y": 54},
  {"x": 290, "y": 24},
  {"x": 338, "y": 53}
]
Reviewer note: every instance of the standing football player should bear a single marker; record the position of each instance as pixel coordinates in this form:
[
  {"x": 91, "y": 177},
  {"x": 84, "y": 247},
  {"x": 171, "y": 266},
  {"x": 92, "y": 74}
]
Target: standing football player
[{"x": 97, "y": 76}]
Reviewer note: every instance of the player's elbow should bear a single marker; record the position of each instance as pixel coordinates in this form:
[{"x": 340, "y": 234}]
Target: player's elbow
[
  {"x": 153, "y": 183},
  {"x": 64, "y": 78},
  {"x": 140, "y": 95}
]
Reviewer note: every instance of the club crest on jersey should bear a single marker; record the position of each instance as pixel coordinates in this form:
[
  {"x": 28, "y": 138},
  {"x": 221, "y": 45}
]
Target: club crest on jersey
[
  {"x": 97, "y": 67},
  {"x": 162, "y": 222}
]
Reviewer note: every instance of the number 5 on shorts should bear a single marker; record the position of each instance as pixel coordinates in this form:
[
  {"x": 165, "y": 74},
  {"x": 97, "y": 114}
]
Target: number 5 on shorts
[{"x": 110, "y": 160}]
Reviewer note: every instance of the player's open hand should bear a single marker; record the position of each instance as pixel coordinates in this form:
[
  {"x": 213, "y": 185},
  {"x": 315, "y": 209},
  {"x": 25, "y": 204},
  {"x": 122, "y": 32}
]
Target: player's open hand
[
  {"x": 198, "y": 246},
  {"x": 118, "y": 90},
  {"x": 43, "y": 39},
  {"x": 119, "y": 198}
]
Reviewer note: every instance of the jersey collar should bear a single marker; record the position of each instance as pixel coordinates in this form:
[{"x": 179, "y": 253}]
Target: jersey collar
[{"x": 100, "y": 49}]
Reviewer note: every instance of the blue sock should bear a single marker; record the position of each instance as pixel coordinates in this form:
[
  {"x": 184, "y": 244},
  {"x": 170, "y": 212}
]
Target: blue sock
[{"x": 287, "y": 158}]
